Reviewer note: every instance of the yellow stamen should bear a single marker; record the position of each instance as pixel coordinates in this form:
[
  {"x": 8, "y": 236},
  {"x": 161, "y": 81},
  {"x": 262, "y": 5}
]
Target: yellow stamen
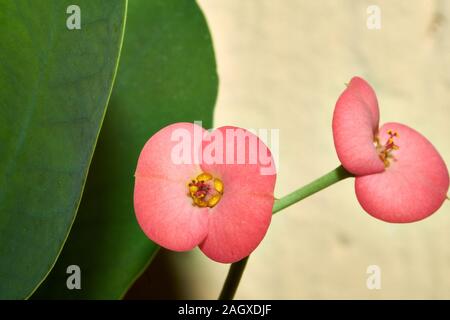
[
  {"x": 218, "y": 185},
  {"x": 200, "y": 203},
  {"x": 205, "y": 190},
  {"x": 214, "y": 200},
  {"x": 204, "y": 177},
  {"x": 385, "y": 151}
]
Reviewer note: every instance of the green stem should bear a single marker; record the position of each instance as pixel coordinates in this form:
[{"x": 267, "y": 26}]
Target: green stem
[
  {"x": 233, "y": 279},
  {"x": 317, "y": 185},
  {"x": 237, "y": 269}
]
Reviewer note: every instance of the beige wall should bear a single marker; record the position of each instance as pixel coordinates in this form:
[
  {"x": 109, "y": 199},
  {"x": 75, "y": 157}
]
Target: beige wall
[{"x": 282, "y": 64}]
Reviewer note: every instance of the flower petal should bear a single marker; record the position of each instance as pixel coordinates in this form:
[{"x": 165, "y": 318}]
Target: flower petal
[
  {"x": 171, "y": 153},
  {"x": 414, "y": 185},
  {"x": 244, "y": 163},
  {"x": 355, "y": 124},
  {"x": 239, "y": 222},
  {"x": 237, "y": 225},
  {"x": 163, "y": 208}
]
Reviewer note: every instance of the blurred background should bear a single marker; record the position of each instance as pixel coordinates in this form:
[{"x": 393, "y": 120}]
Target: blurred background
[{"x": 282, "y": 65}]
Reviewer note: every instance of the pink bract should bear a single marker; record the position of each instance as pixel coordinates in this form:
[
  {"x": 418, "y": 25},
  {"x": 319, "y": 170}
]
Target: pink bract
[
  {"x": 226, "y": 232},
  {"x": 400, "y": 176}
]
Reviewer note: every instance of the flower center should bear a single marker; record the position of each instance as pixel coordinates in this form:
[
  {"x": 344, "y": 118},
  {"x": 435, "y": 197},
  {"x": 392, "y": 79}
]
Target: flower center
[
  {"x": 205, "y": 190},
  {"x": 385, "y": 151}
]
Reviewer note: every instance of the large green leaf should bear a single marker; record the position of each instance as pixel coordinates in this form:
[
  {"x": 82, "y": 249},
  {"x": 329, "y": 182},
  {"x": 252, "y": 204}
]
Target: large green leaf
[
  {"x": 167, "y": 74},
  {"x": 54, "y": 88}
]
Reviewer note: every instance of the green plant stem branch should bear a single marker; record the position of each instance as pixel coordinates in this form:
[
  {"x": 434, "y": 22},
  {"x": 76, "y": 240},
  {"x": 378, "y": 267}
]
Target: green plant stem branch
[
  {"x": 237, "y": 269},
  {"x": 317, "y": 185},
  {"x": 233, "y": 278}
]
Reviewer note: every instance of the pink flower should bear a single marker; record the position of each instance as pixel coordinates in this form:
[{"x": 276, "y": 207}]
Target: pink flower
[
  {"x": 195, "y": 188},
  {"x": 400, "y": 177}
]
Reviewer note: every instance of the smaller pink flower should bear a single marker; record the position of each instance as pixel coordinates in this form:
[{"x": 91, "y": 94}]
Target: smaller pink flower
[
  {"x": 400, "y": 177},
  {"x": 217, "y": 196}
]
